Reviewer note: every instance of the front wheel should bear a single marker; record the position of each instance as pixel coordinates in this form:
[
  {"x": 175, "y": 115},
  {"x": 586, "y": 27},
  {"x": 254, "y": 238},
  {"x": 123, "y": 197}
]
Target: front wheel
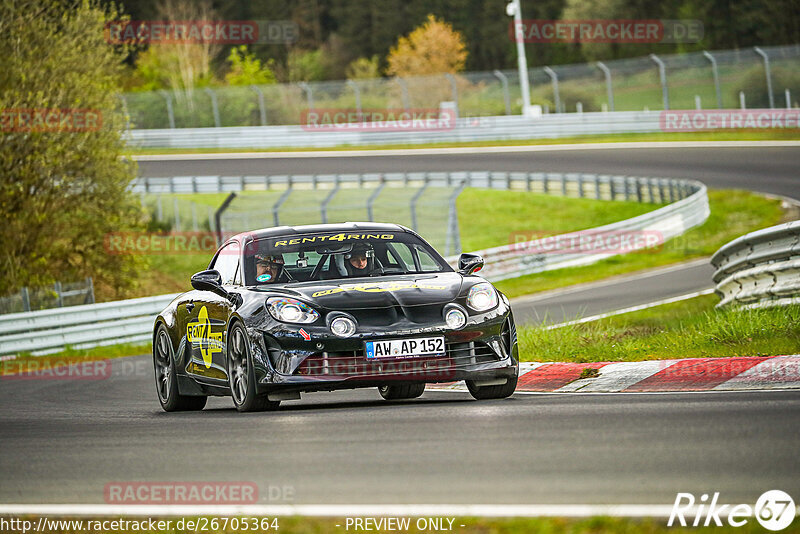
[
  {"x": 241, "y": 375},
  {"x": 493, "y": 392},
  {"x": 166, "y": 380},
  {"x": 402, "y": 391}
]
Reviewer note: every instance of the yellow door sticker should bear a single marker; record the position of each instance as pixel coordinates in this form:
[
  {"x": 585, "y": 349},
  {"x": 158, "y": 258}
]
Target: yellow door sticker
[{"x": 199, "y": 333}]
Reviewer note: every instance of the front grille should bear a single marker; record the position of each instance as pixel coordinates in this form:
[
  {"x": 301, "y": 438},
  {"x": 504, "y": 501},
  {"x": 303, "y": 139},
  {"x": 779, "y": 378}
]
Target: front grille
[{"x": 459, "y": 356}]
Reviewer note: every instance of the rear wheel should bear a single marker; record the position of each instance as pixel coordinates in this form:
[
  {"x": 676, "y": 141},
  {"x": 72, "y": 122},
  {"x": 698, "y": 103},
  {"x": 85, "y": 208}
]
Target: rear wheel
[
  {"x": 241, "y": 375},
  {"x": 402, "y": 391},
  {"x": 167, "y": 380}
]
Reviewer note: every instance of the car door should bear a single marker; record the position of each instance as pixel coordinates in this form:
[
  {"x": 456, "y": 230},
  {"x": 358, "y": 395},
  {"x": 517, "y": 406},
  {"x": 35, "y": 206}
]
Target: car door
[{"x": 209, "y": 319}]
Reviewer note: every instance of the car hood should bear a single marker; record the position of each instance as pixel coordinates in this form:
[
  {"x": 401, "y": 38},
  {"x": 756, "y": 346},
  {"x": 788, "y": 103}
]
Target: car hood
[{"x": 401, "y": 290}]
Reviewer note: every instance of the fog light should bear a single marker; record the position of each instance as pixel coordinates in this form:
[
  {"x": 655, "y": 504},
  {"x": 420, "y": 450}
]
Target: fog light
[
  {"x": 455, "y": 318},
  {"x": 343, "y": 327}
]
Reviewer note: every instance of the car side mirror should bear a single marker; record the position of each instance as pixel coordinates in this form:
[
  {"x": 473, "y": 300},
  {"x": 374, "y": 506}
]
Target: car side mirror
[
  {"x": 469, "y": 263},
  {"x": 209, "y": 280}
]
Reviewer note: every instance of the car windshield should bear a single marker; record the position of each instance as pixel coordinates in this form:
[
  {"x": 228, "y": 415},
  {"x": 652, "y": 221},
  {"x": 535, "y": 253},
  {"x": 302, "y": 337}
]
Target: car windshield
[{"x": 338, "y": 255}]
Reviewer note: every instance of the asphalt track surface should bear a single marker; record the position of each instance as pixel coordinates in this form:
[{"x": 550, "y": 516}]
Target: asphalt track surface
[
  {"x": 63, "y": 441},
  {"x": 765, "y": 169}
]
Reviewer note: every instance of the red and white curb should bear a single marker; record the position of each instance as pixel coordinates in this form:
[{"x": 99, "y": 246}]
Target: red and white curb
[{"x": 689, "y": 374}]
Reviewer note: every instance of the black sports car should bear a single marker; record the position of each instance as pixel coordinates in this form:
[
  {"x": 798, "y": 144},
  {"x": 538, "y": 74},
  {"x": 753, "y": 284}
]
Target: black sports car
[{"x": 286, "y": 310}]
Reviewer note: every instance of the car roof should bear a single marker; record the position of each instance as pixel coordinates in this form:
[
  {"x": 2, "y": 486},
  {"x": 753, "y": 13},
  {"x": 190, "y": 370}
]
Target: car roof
[{"x": 280, "y": 231}]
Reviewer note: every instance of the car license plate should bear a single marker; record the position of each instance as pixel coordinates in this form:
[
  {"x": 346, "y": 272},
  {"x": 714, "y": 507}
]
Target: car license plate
[{"x": 405, "y": 348}]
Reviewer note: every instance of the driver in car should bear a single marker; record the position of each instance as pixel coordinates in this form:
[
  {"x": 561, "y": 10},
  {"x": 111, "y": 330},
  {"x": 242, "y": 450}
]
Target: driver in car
[
  {"x": 360, "y": 260},
  {"x": 268, "y": 268}
]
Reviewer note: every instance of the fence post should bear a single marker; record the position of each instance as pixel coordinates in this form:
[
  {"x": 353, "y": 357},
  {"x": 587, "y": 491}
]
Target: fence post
[
  {"x": 662, "y": 73},
  {"x": 506, "y": 96},
  {"x": 211, "y": 225},
  {"x": 764, "y": 55},
  {"x": 277, "y": 206},
  {"x": 309, "y": 94},
  {"x": 159, "y": 209},
  {"x": 357, "y": 93},
  {"x": 453, "y": 89},
  {"x": 372, "y": 198},
  {"x": 404, "y": 89},
  {"x": 218, "y": 216},
  {"x": 170, "y": 113},
  {"x": 741, "y": 100},
  {"x": 697, "y": 103},
  {"x": 324, "y": 206},
  {"x": 650, "y": 194},
  {"x": 554, "y": 79},
  {"x": 59, "y": 295},
  {"x": 176, "y": 214},
  {"x": 89, "y": 291},
  {"x": 26, "y": 299},
  {"x": 563, "y": 185},
  {"x": 609, "y": 88},
  {"x": 453, "y": 238},
  {"x": 262, "y": 109},
  {"x": 715, "y": 74},
  {"x": 195, "y": 228},
  {"x": 597, "y": 187},
  {"x": 125, "y": 111},
  {"x": 788, "y": 96},
  {"x": 214, "y": 106},
  {"x": 580, "y": 186},
  {"x": 414, "y": 201}
]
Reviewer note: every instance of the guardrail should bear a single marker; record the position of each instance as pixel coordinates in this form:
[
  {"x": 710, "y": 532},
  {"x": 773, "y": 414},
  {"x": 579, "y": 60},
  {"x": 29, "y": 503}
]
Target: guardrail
[
  {"x": 107, "y": 323},
  {"x": 497, "y": 128},
  {"x": 132, "y": 320},
  {"x": 760, "y": 269}
]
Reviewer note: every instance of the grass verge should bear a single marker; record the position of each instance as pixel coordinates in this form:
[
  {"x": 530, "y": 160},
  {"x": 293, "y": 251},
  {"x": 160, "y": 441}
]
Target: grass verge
[
  {"x": 733, "y": 213},
  {"x": 692, "y": 328},
  {"x": 27, "y": 363},
  {"x": 720, "y": 135}
]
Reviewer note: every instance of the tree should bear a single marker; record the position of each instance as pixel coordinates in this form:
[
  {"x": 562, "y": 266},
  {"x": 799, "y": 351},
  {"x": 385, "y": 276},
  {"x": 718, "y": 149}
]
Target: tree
[
  {"x": 364, "y": 68},
  {"x": 432, "y": 48},
  {"x": 247, "y": 70},
  {"x": 64, "y": 186}
]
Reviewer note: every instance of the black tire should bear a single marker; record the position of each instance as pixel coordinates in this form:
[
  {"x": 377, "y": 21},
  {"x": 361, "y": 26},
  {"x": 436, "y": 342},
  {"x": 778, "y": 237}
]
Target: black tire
[
  {"x": 492, "y": 392},
  {"x": 166, "y": 379},
  {"x": 402, "y": 391},
  {"x": 241, "y": 375}
]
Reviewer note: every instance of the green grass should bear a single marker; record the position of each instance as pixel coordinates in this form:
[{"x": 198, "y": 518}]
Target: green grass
[
  {"x": 733, "y": 213},
  {"x": 691, "y": 328},
  {"x": 719, "y": 135},
  {"x": 487, "y": 218}
]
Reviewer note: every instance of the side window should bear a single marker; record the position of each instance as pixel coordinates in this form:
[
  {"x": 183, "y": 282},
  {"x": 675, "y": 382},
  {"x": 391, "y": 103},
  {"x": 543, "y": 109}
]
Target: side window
[
  {"x": 426, "y": 263},
  {"x": 227, "y": 263},
  {"x": 402, "y": 255}
]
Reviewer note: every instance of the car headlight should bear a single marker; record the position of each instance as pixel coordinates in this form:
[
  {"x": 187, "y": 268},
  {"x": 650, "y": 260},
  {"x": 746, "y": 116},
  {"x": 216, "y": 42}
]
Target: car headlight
[
  {"x": 482, "y": 297},
  {"x": 455, "y": 318},
  {"x": 291, "y": 310},
  {"x": 343, "y": 326}
]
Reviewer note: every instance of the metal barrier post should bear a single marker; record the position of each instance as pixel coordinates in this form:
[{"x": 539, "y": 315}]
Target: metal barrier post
[
  {"x": 715, "y": 74},
  {"x": 214, "y": 106},
  {"x": 662, "y": 73},
  {"x": 262, "y": 109},
  {"x": 176, "y": 214},
  {"x": 764, "y": 55},
  {"x": 26, "y": 299},
  {"x": 453, "y": 238},
  {"x": 170, "y": 113},
  {"x": 609, "y": 87},
  {"x": 89, "y": 290},
  {"x": 218, "y": 216},
  {"x": 506, "y": 96},
  {"x": 277, "y": 206},
  {"x": 59, "y": 295},
  {"x": 554, "y": 79}
]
